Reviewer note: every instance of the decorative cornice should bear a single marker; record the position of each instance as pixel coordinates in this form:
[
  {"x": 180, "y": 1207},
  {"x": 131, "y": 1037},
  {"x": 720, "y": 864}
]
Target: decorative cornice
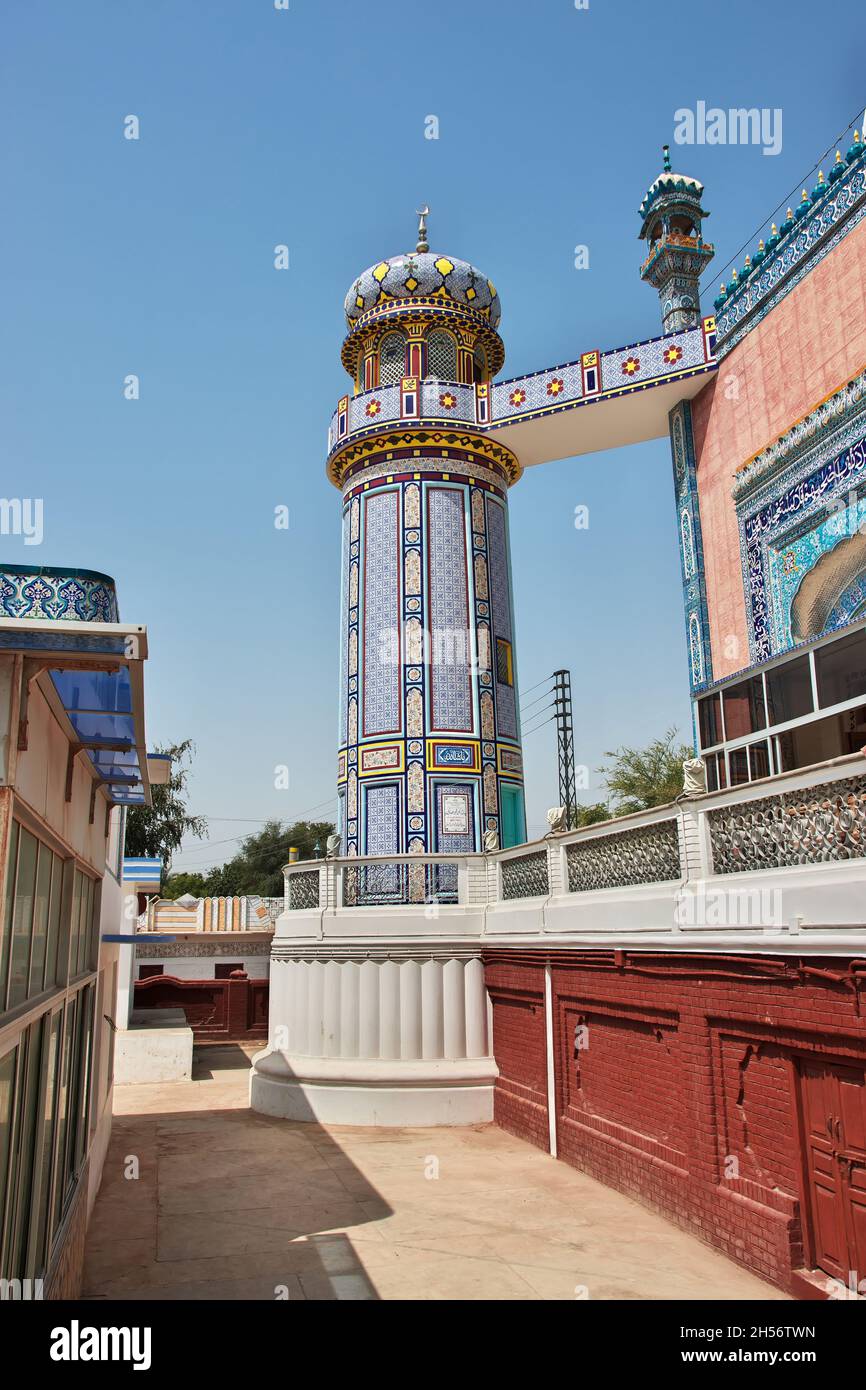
[
  {"x": 432, "y": 443},
  {"x": 837, "y": 207},
  {"x": 820, "y": 420}
]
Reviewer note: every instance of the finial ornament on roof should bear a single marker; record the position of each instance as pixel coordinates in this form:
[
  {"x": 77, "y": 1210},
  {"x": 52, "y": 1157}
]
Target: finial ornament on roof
[
  {"x": 666, "y": 156},
  {"x": 423, "y": 214}
]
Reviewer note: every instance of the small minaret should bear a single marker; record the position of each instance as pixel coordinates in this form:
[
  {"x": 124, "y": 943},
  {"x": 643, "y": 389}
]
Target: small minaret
[{"x": 672, "y": 217}]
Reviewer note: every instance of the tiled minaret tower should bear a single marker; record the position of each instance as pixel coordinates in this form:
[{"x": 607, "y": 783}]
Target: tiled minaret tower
[
  {"x": 672, "y": 217},
  {"x": 430, "y": 757}
]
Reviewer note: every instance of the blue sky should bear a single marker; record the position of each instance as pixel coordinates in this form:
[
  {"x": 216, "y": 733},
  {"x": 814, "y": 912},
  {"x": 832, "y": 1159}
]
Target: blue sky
[{"x": 306, "y": 127}]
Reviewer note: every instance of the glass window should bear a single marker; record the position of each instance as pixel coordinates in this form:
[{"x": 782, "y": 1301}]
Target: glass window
[
  {"x": 84, "y": 1054},
  {"x": 8, "y": 1065},
  {"x": 789, "y": 691},
  {"x": 22, "y": 918},
  {"x": 744, "y": 708},
  {"x": 65, "y": 923},
  {"x": 479, "y": 363},
  {"x": 392, "y": 359},
  {"x": 841, "y": 670},
  {"x": 759, "y": 760},
  {"x": 6, "y": 924},
  {"x": 504, "y": 662},
  {"x": 40, "y": 921},
  {"x": 54, "y": 933},
  {"x": 63, "y": 1113},
  {"x": 25, "y": 1148},
  {"x": 739, "y": 764},
  {"x": 710, "y": 720},
  {"x": 75, "y": 921},
  {"x": 49, "y": 1118}
]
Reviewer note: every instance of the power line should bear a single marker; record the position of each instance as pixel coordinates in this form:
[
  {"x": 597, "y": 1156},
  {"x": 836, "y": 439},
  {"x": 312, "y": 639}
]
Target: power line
[
  {"x": 785, "y": 202},
  {"x": 537, "y": 727},
  {"x": 545, "y": 694},
  {"x": 537, "y": 684},
  {"x": 536, "y": 714}
]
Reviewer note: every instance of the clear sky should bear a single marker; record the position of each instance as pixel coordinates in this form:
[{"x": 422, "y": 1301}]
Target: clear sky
[{"x": 306, "y": 127}]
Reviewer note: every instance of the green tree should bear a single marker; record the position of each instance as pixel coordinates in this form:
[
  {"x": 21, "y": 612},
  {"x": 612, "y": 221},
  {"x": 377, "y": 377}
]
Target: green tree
[
  {"x": 638, "y": 778},
  {"x": 156, "y": 831},
  {"x": 177, "y": 884},
  {"x": 258, "y": 865},
  {"x": 589, "y": 815}
]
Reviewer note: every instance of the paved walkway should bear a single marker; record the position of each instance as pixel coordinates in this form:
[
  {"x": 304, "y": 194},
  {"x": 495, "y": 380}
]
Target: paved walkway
[{"x": 233, "y": 1205}]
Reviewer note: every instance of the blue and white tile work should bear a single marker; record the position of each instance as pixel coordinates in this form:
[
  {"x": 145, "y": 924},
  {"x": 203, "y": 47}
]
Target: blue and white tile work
[
  {"x": 801, "y": 512},
  {"x": 819, "y": 224},
  {"x": 69, "y": 595},
  {"x": 455, "y": 726},
  {"x": 691, "y": 546}
]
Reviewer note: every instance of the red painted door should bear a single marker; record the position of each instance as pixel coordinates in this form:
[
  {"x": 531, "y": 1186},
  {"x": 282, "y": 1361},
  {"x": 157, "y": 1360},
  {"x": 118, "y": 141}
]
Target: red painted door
[{"x": 834, "y": 1115}]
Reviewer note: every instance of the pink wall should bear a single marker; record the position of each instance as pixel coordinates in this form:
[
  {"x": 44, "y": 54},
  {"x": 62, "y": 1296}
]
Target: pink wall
[{"x": 811, "y": 343}]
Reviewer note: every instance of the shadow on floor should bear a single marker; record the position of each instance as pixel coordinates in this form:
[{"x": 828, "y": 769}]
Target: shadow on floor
[
  {"x": 209, "y": 1060},
  {"x": 223, "y": 1203}
]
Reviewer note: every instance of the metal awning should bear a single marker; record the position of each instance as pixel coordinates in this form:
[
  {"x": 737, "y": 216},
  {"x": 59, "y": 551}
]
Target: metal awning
[{"x": 91, "y": 674}]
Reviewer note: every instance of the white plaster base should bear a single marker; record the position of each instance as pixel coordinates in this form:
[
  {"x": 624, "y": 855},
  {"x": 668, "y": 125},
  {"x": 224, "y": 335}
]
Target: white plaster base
[
  {"x": 376, "y": 1033},
  {"x": 156, "y": 1047},
  {"x": 373, "y": 1093}
]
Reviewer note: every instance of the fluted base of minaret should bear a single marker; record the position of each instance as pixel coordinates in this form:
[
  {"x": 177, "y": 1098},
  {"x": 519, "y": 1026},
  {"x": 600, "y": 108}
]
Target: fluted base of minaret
[
  {"x": 375, "y": 1033},
  {"x": 400, "y": 1093}
]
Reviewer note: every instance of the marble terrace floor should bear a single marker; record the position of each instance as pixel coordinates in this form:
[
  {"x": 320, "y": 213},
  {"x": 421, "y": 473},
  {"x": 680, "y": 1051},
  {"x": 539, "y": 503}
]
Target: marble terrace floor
[{"x": 233, "y": 1205}]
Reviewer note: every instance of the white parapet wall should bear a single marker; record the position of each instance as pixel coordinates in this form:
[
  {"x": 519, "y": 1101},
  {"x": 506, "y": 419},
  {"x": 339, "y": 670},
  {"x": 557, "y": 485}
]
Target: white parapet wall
[{"x": 378, "y": 1010}]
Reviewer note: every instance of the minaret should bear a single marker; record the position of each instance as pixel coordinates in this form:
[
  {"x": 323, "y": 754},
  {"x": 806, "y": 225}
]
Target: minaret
[
  {"x": 429, "y": 743},
  {"x": 672, "y": 217}
]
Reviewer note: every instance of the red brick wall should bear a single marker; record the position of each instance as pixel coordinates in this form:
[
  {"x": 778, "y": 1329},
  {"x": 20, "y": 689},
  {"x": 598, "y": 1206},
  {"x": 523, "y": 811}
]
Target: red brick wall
[
  {"x": 811, "y": 343},
  {"x": 520, "y": 1096},
  {"x": 686, "y": 1092}
]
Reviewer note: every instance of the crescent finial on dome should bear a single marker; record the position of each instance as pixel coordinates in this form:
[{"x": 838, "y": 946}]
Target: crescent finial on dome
[{"x": 423, "y": 214}]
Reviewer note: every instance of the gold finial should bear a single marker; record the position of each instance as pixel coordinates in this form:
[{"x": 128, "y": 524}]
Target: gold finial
[
  {"x": 734, "y": 276},
  {"x": 856, "y": 137},
  {"x": 804, "y": 197},
  {"x": 423, "y": 214},
  {"x": 838, "y": 156},
  {"x": 773, "y": 229},
  {"x": 722, "y": 288},
  {"x": 748, "y": 260},
  {"x": 790, "y": 214},
  {"x": 761, "y": 243},
  {"x": 820, "y": 175}
]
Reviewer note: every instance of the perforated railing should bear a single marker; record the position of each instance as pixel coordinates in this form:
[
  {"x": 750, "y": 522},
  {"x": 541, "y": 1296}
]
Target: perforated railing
[
  {"x": 526, "y": 876},
  {"x": 303, "y": 890},
  {"x": 645, "y": 854},
  {"x": 808, "y": 825}
]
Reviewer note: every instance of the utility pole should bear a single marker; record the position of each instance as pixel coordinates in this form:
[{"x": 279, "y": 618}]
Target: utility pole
[{"x": 565, "y": 744}]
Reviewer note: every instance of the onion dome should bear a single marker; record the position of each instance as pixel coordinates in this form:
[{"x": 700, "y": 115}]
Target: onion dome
[
  {"x": 856, "y": 149},
  {"x": 759, "y": 255},
  {"x": 838, "y": 170},
  {"x": 788, "y": 223},
  {"x": 422, "y": 285},
  {"x": 773, "y": 239},
  {"x": 672, "y": 187},
  {"x": 720, "y": 298},
  {"x": 746, "y": 270},
  {"x": 820, "y": 187},
  {"x": 423, "y": 275}
]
